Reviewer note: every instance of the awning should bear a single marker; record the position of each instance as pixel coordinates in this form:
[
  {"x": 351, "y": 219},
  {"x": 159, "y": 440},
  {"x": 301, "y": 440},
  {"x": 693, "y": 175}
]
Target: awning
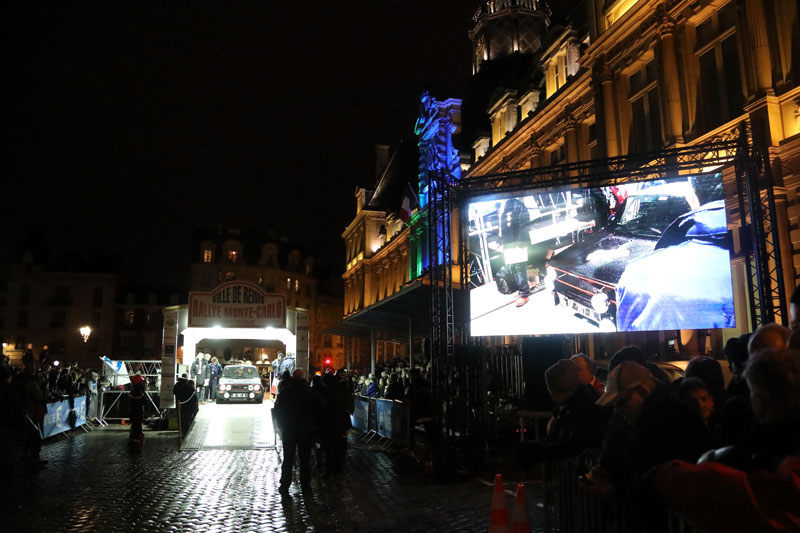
[{"x": 391, "y": 315}]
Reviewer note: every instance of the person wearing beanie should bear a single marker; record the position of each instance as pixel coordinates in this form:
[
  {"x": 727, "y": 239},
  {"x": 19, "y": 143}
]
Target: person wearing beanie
[{"x": 577, "y": 423}]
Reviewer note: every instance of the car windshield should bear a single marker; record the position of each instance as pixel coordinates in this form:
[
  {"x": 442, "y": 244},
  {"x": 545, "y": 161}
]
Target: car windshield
[
  {"x": 239, "y": 372},
  {"x": 649, "y": 215}
]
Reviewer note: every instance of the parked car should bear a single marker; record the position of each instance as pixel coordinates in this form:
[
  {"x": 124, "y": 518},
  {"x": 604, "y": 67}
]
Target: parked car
[
  {"x": 585, "y": 275},
  {"x": 240, "y": 383}
]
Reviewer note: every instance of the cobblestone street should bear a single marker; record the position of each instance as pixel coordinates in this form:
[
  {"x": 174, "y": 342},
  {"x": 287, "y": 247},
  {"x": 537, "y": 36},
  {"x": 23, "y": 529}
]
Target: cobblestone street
[{"x": 93, "y": 483}]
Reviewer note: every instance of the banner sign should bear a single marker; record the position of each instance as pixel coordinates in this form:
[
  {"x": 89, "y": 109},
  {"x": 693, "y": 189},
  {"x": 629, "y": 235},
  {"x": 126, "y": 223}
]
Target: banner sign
[
  {"x": 392, "y": 420},
  {"x": 56, "y": 420},
  {"x": 237, "y": 304},
  {"x": 361, "y": 414},
  {"x": 120, "y": 371}
]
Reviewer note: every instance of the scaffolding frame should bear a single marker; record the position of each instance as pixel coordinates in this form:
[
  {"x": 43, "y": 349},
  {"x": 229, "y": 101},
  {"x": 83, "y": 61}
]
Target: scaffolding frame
[
  {"x": 147, "y": 368},
  {"x": 763, "y": 261}
]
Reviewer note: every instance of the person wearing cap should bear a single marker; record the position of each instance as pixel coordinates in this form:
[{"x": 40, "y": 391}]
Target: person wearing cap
[
  {"x": 577, "y": 423},
  {"x": 136, "y": 401},
  {"x": 653, "y": 427},
  {"x": 586, "y": 372}
]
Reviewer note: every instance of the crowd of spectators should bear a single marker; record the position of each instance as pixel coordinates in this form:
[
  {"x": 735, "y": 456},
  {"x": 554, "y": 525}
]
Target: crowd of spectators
[
  {"x": 24, "y": 392},
  {"x": 399, "y": 381},
  {"x": 313, "y": 416},
  {"x": 727, "y": 458}
]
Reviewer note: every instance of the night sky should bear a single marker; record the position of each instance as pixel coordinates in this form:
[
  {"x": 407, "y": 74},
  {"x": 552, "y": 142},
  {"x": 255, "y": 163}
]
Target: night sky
[{"x": 127, "y": 125}]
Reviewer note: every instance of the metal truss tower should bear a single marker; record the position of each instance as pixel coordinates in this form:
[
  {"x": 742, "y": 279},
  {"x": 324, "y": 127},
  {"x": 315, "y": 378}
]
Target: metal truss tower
[
  {"x": 763, "y": 262},
  {"x": 442, "y": 327}
]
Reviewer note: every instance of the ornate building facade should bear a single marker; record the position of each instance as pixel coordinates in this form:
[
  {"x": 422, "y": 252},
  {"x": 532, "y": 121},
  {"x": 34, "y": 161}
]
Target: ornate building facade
[{"x": 627, "y": 77}]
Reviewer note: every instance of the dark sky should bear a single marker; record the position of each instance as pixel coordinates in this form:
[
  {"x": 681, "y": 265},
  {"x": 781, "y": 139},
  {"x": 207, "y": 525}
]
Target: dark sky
[{"x": 129, "y": 124}]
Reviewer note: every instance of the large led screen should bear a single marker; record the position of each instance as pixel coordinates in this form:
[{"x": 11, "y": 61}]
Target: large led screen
[{"x": 640, "y": 256}]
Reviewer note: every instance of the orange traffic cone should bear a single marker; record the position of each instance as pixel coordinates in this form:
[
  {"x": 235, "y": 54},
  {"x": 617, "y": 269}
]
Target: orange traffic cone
[
  {"x": 499, "y": 519},
  {"x": 520, "y": 522}
]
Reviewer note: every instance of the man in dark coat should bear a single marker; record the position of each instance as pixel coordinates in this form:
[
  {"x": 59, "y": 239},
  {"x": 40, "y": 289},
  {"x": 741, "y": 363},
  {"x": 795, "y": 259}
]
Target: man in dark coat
[
  {"x": 661, "y": 427},
  {"x": 186, "y": 401},
  {"x": 199, "y": 373},
  {"x": 294, "y": 410},
  {"x": 514, "y": 222},
  {"x": 337, "y": 422}
]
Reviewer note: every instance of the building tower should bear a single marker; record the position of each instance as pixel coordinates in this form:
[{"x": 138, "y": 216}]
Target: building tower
[
  {"x": 507, "y": 38},
  {"x": 503, "y": 27}
]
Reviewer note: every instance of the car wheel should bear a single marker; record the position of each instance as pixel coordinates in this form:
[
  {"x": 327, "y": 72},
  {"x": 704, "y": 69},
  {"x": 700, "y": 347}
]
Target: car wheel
[
  {"x": 219, "y": 401},
  {"x": 260, "y": 400}
]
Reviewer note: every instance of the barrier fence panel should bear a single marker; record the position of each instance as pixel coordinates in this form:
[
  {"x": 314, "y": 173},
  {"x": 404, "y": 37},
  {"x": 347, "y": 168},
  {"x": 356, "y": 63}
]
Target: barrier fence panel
[
  {"x": 392, "y": 421},
  {"x": 568, "y": 507},
  {"x": 61, "y": 417},
  {"x": 361, "y": 414},
  {"x": 112, "y": 406}
]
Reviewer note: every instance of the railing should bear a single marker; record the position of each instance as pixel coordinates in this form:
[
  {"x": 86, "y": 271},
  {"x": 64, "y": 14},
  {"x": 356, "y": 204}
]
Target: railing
[
  {"x": 568, "y": 507},
  {"x": 110, "y": 398},
  {"x": 495, "y": 6},
  {"x": 381, "y": 419}
]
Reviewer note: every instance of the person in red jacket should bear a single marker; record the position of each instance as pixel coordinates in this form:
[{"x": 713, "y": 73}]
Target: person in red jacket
[{"x": 759, "y": 488}]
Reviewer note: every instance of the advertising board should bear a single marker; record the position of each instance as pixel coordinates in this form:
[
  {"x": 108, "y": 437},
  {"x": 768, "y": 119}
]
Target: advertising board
[
  {"x": 237, "y": 304},
  {"x": 644, "y": 256}
]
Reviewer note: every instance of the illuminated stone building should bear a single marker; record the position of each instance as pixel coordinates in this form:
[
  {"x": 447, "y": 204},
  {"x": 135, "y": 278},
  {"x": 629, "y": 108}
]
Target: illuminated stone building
[
  {"x": 223, "y": 254},
  {"x": 386, "y": 298},
  {"x": 625, "y": 77}
]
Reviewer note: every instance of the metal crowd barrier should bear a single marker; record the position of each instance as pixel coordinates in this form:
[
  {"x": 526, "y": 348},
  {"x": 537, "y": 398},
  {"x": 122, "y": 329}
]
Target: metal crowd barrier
[
  {"x": 385, "y": 420},
  {"x": 568, "y": 507},
  {"x": 109, "y": 398}
]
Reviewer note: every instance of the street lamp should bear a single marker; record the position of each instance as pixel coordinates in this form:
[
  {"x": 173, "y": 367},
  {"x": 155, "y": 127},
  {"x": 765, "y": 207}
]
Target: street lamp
[{"x": 85, "y": 332}]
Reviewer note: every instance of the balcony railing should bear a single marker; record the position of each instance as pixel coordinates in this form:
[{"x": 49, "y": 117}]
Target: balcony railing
[{"x": 495, "y": 6}]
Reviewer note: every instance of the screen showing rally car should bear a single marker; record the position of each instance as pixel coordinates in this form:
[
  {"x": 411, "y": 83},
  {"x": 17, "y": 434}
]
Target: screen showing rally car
[{"x": 642, "y": 256}]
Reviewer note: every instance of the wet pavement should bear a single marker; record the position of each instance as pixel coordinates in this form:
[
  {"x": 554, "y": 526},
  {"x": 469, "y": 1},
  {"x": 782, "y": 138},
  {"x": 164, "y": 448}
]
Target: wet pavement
[{"x": 94, "y": 483}]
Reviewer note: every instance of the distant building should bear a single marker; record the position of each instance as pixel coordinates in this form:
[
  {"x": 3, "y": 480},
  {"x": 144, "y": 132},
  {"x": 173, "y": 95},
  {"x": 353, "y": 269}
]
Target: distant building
[
  {"x": 223, "y": 254},
  {"x": 138, "y": 321},
  {"x": 48, "y": 304}
]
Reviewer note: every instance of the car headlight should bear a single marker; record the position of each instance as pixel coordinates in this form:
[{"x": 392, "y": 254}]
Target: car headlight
[
  {"x": 227, "y": 387},
  {"x": 256, "y": 387},
  {"x": 600, "y": 302},
  {"x": 249, "y": 387}
]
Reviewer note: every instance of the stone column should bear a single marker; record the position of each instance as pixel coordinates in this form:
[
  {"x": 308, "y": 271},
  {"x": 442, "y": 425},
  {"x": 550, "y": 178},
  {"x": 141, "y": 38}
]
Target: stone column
[
  {"x": 535, "y": 152},
  {"x": 671, "y": 81},
  {"x": 571, "y": 138},
  {"x": 609, "y": 111},
  {"x": 760, "y": 45}
]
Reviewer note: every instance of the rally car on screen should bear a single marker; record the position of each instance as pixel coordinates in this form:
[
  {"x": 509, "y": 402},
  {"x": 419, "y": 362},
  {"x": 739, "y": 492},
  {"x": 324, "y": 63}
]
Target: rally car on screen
[
  {"x": 240, "y": 383},
  {"x": 584, "y": 277}
]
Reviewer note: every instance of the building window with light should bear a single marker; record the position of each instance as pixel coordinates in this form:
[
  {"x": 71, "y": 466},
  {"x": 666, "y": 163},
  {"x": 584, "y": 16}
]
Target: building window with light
[
  {"x": 297, "y": 285},
  {"x": 288, "y": 284},
  {"x": 208, "y": 256},
  {"x": 720, "y": 96},
  {"x": 130, "y": 317},
  {"x": 645, "y": 133},
  {"x": 233, "y": 255}
]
